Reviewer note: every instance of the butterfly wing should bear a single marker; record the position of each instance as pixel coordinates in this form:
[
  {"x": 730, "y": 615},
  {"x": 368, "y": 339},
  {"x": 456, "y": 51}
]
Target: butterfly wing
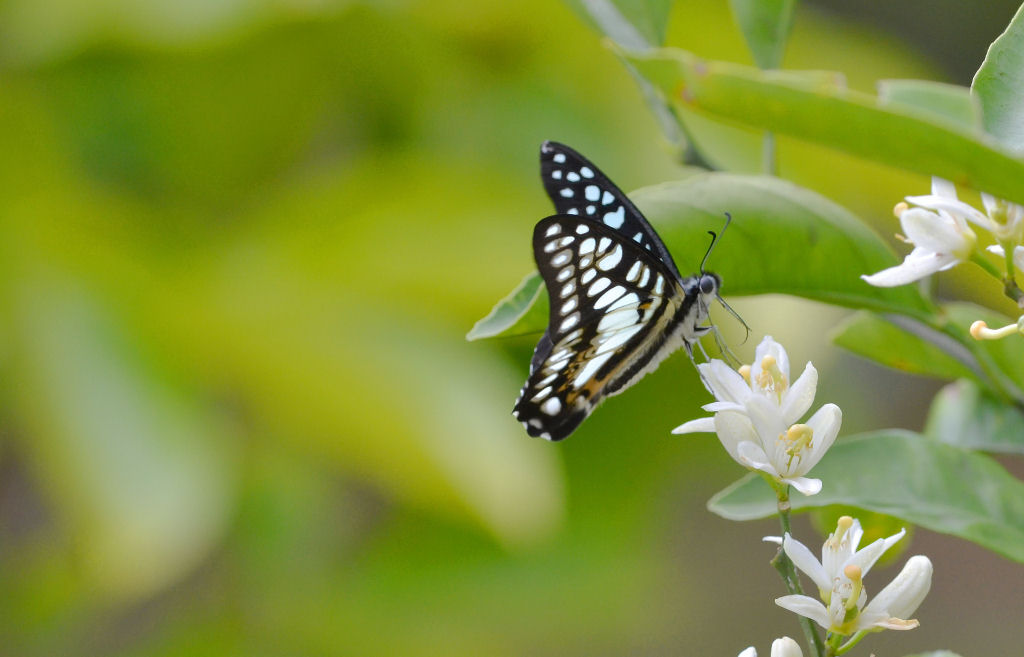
[
  {"x": 611, "y": 306},
  {"x": 578, "y": 187}
]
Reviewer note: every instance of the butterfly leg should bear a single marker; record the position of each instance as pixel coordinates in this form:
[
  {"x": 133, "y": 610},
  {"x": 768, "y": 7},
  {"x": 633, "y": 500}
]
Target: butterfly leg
[
  {"x": 689, "y": 352},
  {"x": 723, "y": 348}
]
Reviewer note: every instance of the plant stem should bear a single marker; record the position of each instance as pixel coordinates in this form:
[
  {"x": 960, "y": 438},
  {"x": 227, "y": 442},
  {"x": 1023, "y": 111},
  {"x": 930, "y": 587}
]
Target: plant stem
[{"x": 782, "y": 563}]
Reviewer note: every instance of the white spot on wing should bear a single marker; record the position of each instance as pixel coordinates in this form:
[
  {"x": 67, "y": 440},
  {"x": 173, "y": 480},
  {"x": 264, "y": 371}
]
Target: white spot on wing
[
  {"x": 630, "y": 299},
  {"x": 566, "y": 192},
  {"x": 615, "y": 219},
  {"x": 639, "y": 237},
  {"x": 569, "y": 322},
  {"x": 565, "y": 274},
  {"x": 557, "y": 174},
  {"x": 572, "y": 211},
  {"x": 569, "y": 306},
  {"x": 603, "y": 245},
  {"x": 633, "y": 273},
  {"x": 607, "y": 198},
  {"x": 559, "y": 158},
  {"x": 551, "y": 406},
  {"x": 618, "y": 339},
  {"x": 590, "y": 369},
  {"x": 609, "y": 296},
  {"x": 592, "y": 192},
  {"x": 599, "y": 286},
  {"x": 586, "y": 172},
  {"x": 588, "y": 276},
  {"x": 611, "y": 260},
  {"x": 553, "y": 229},
  {"x": 560, "y": 259},
  {"x": 572, "y": 176},
  {"x": 646, "y": 276},
  {"x": 542, "y": 394},
  {"x": 659, "y": 284},
  {"x": 568, "y": 288},
  {"x": 591, "y": 209},
  {"x": 587, "y": 245},
  {"x": 582, "y": 229}
]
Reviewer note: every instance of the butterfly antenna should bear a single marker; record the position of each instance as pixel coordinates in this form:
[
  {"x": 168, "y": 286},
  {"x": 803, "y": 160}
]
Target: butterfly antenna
[{"x": 714, "y": 240}]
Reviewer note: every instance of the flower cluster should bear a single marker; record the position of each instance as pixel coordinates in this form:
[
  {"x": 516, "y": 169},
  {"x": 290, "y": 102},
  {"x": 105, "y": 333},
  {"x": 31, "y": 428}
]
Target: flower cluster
[
  {"x": 939, "y": 229},
  {"x": 757, "y": 413},
  {"x": 839, "y": 577}
]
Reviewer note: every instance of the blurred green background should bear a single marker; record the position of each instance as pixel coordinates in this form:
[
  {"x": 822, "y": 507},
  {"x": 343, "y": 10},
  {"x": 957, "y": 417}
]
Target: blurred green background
[{"x": 240, "y": 245}]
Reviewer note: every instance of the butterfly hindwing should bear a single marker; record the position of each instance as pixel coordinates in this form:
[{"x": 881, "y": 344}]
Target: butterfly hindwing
[
  {"x": 611, "y": 301},
  {"x": 578, "y": 187}
]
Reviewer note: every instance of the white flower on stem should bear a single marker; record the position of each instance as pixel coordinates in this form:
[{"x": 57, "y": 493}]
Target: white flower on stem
[
  {"x": 756, "y": 414},
  {"x": 938, "y": 231},
  {"x": 784, "y": 647},
  {"x": 839, "y": 578}
]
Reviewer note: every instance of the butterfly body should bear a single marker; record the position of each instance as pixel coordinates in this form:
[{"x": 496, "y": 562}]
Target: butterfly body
[{"x": 618, "y": 305}]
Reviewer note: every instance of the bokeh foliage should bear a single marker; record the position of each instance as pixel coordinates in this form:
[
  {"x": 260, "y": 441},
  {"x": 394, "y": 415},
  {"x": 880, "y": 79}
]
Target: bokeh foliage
[{"x": 239, "y": 247}]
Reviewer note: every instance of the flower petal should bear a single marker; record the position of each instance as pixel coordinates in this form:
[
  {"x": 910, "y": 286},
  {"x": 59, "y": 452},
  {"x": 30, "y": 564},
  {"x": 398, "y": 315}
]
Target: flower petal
[
  {"x": 807, "y": 607},
  {"x": 825, "y": 425},
  {"x": 748, "y": 652},
  {"x": 805, "y": 560},
  {"x": 769, "y": 347},
  {"x": 936, "y": 233},
  {"x": 955, "y": 209},
  {"x": 733, "y": 428},
  {"x": 805, "y": 485},
  {"x": 800, "y": 396},
  {"x": 866, "y": 558},
  {"x": 700, "y": 425},
  {"x": 918, "y": 264},
  {"x": 726, "y": 383},
  {"x": 904, "y": 594},
  {"x": 750, "y": 454},
  {"x": 786, "y": 647}
]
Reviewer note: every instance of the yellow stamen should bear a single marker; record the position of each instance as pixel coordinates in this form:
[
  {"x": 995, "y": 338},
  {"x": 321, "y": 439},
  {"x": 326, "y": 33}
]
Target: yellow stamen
[
  {"x": 981, "y": 331},
  {"x": 798, "y": 437},
  {"x": 842, "y": 526},
  {"x": 771, "y": 377},
  {"x": 854, "y": 573},
  {"x": 900, "y": 208},
  {"x": 745, "y": 373}
]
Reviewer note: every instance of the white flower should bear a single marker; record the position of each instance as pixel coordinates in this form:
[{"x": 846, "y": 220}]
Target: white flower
[
  {"x": 941, "y": 238},
  {"x": 839, "y": 578},
  {"x": 784, "y": 647},
  {"x": 1003, "y": 219},
  {"x": 756, "y": 411}
]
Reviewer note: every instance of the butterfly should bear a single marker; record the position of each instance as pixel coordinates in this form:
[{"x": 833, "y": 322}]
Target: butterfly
[{"x": 618, "y": 304}]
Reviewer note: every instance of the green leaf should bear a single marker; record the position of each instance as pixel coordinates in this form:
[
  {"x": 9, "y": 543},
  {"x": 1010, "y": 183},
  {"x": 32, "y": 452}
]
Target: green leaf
[
  {"x": 916, "y": 351},
  {"x": 943, "y": 488},
  {"x": 144, "y": 472},
  {"x": 943, "y": 102},
  {"x": 999, "y": 85},
  {"x": 633, "y": 24},
  {"x": 964, "y": 415},
  {"x": 833, "y": 116},
  {"x": 783, "y": 239},
  {"x": 524, "y": 310},
  {"x": 765, "y": 25}
]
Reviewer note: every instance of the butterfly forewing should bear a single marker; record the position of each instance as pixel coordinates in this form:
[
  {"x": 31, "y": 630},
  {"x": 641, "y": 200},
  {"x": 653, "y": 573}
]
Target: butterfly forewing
[
  {"x": 577, "y": 187},
  {"x": 610, "y": 303}
]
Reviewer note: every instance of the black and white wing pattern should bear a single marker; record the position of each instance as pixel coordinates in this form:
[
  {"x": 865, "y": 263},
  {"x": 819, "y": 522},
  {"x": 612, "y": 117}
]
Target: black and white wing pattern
[
  {"x": 578, "y": 187},
  {"x": 618, "y": 305},
  {"x": 612, "y": 308}
]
